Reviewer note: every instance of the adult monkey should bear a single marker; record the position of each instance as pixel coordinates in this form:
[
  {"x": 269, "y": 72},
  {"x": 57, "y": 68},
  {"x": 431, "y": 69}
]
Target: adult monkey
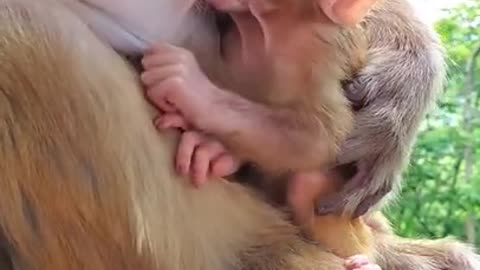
[{"x": 86, "y": 184}]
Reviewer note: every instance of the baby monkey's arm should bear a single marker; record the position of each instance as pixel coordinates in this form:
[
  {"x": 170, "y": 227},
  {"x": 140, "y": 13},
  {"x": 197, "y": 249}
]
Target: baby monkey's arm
[{"x": 276, "y": 138}]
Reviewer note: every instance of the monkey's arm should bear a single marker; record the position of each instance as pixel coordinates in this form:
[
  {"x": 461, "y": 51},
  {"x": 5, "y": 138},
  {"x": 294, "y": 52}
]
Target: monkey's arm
[
  {"x": 392, "y": 95},
  {"x": 276, "y": 138},
  {"x": 293, "y": 136}
]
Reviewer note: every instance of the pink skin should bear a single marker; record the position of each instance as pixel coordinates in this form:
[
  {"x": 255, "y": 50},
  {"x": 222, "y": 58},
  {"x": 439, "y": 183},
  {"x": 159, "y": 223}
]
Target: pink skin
[
  {"x": 360, "y": 262},
  {"x": 170, "y": 75},
  {"x": 198, "y": 155}
]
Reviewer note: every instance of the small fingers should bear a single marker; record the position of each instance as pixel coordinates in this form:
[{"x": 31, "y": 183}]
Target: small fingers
[
  {"x": 158, "y": 97},
  {"x": 163, "y": 105},
  {"x": 171, "y": 120},
  {"x": 225, "y": 165},
  {"x": 156, "y": 75},
  {"x": 164, "y": 54},
  {"x": 203, "y": 157},
  {"x": 162, "y": 94},
  {"x": 186, "y": 148}
]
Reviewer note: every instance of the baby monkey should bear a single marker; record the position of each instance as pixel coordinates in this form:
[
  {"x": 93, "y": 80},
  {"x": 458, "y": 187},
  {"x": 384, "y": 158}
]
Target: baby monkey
[
  {"x": 283, "y": 62},
  {"x": 275, "y": 100}
]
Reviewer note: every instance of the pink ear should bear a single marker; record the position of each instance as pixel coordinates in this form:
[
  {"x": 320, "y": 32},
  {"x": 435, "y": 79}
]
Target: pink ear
[{"x": 346, "y": 12}]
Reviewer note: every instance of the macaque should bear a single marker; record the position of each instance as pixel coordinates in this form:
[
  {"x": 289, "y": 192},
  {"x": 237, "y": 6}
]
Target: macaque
[
  {"x": 285, "y": 62},
  {"x": 87, "y": 182}
]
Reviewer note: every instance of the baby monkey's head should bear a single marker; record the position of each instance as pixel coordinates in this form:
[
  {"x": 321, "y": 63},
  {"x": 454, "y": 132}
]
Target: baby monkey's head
[{"x": 258, "y": 34}]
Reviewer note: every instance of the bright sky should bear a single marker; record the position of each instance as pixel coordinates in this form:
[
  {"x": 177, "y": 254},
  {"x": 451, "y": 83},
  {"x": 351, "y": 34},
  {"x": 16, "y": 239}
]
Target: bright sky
[{"x": 431, "y": 10}]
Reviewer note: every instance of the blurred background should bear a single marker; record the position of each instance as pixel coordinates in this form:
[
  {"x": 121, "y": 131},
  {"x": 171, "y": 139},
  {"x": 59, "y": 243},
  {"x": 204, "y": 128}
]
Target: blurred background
[{"x": 441, "y": 192}]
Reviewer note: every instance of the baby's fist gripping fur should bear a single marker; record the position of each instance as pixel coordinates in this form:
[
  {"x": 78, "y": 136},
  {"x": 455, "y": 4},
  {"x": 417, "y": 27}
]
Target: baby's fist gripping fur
[
  {"x": 175, "y": 83},
  {"x": 203, "y": 158},
  {"x": 177, "y": 86}
]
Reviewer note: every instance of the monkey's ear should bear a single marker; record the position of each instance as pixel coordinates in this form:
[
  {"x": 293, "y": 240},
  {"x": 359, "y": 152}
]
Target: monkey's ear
[{"x": 346, "y": 12}]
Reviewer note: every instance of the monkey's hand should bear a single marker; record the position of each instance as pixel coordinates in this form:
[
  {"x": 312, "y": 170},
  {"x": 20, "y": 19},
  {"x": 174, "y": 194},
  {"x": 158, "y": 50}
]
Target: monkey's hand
[
  {"x": 168, "y": 120},
  {"x": 175, "y": 83},
  {"x": 203, "y": 158},
  {"x": 360, "y": 262},
  {"x": 198, "y": 156}
]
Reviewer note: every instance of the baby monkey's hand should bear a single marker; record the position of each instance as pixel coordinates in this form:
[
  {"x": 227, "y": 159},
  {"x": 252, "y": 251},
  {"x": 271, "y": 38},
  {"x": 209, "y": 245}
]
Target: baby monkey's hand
[
  {"x": 360, "y": 262},
  {"x": 175, "y": 83},
  {"x": 177, "y": 86},
  {"x": 203, "y": 158}
]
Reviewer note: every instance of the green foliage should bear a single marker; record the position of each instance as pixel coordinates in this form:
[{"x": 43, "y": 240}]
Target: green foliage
[{"x": 438, "y": 197}]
